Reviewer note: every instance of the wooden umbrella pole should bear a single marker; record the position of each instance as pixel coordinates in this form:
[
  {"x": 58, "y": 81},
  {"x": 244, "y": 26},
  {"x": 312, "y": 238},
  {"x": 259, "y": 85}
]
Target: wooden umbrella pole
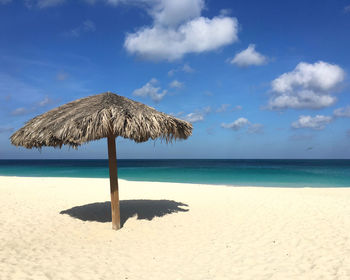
[{"x": 113, "y": 180}]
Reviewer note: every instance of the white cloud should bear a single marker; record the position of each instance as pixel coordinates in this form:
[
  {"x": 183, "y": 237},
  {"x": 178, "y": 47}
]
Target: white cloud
[
  {"x": 174, "y": 12},
  {"x": 151, "y": 90},
  {"x": 241, "y": 123},
  {"x": 302, "y": 99},
  {"x": 194, "y": 117},
  {"x": 176, "y": 84},
  {"x": 237, "y": 124},
  {"x": 198, "y": 115},
  {"x": 307, "y": 86},
  {"x": 320, "y": 76},
  {"x": 178, "y": 29},
  {"x": 318, "y": 122},
  {"x": 196, "y": 36},
  {"x": 249, "y": 57},
  {"x": 342, "y": 112},
  {"x": 164, "y": 12}
]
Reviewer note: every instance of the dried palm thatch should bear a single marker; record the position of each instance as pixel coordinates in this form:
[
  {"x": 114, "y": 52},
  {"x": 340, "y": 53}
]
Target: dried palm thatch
[{"x": 96, "y": 117}]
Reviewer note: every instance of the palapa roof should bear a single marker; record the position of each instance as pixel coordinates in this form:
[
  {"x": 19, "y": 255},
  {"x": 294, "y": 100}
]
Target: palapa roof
[{"x": 96, "y": 117}]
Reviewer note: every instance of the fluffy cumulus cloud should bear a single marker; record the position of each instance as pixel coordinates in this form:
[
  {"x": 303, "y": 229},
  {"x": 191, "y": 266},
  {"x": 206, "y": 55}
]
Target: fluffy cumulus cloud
[
  {"x": 249, "y": 57},
  {"x": 307, "y": 86},
  {"x": 241, "y": 123},
  {"x": 342, "y": 112},
  {"x": 178, "y": 29},
  {"x": 318, "y": 122},
  {"x": 151, "y": 90}
]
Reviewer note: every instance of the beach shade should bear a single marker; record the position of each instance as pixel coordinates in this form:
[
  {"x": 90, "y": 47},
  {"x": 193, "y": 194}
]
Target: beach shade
[{"x": 105, "y": 115}]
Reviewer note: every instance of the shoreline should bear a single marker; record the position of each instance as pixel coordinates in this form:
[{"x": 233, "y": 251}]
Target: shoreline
[
  {"x": 144, "y": 181},
  {"x": 185, "y": 183},
  {"x": 59, "y": 228}
]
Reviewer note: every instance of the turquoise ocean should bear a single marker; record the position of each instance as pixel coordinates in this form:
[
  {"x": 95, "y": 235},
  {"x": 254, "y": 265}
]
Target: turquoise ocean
[{"x": 278, "y": 173}]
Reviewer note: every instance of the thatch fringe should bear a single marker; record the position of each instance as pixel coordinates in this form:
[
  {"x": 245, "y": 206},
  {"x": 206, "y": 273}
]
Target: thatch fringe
[{"x": 96, "y": 117}]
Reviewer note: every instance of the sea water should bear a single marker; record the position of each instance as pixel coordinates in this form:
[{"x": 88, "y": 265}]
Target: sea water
[{"x": 279, "y": 173}]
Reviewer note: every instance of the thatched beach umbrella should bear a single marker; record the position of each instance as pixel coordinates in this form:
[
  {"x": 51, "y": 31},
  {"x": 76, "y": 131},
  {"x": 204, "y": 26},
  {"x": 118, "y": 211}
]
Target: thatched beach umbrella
[{"x": 104, "y": 115}]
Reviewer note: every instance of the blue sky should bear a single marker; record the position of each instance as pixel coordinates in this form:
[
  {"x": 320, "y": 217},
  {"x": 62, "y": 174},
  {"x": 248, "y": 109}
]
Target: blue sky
[{"x": 258, "y": 79}]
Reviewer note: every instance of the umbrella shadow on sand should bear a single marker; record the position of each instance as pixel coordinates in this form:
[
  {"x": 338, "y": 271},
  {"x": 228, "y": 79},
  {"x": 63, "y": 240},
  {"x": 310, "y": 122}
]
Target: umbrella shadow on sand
[{"x": 145, "y": 209}]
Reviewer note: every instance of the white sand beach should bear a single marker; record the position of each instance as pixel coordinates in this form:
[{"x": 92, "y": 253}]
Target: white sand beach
[{"x": 59, "y": 228}]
